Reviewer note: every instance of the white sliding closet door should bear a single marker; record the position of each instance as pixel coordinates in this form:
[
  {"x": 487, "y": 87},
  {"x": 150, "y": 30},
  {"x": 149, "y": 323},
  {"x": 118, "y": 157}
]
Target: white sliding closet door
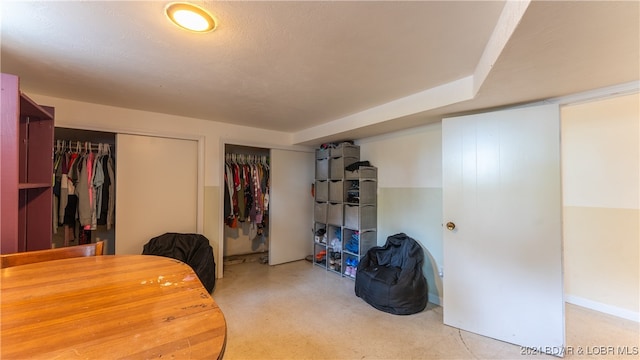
[
  {"x": 503, "y": 260},
  {"x": 290, "y": 206},
  {"x": 156, "y": 189}
]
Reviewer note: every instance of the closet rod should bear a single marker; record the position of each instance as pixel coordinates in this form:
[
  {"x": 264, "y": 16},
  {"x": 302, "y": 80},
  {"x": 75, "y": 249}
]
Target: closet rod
[
  {"x": 246, "y": 154},
  {"x": 246, "y": 157},
  {"x": 80, "y": 145}
]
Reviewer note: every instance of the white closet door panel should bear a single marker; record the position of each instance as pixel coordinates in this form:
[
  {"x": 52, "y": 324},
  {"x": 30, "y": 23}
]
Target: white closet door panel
[
  {"x": 290, "y": 206},
  {"x": 503, "y": 261},
  {"x": 156, "y": 189}
]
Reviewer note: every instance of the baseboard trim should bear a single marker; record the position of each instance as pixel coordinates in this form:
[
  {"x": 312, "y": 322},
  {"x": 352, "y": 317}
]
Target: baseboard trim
[
  {"x": 435, "y": 299},
  {"x": 604, "y": 308}
]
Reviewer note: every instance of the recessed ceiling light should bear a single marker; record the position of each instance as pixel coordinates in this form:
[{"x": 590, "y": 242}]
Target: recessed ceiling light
[{"x": 190, "y": 17}]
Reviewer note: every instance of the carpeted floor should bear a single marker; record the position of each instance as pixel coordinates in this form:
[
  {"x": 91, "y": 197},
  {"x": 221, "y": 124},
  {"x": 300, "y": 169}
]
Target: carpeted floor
[{"x": 298, "y": 311}]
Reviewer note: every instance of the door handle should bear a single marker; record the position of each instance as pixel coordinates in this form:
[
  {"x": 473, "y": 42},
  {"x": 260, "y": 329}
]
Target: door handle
[{"x": 450, "y": 226}]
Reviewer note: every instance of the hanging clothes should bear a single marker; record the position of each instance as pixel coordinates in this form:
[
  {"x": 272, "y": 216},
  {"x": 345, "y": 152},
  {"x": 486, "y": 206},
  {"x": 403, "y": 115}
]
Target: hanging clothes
[
  {"x": 98, "y": 182},
  {"x": 230, "y": 218},
  {"x": 85, "y": 178},
  {"x": 111, "y": 205},
  {"x": 84, "y": 190},
  {"x": 246, "y": 184}
]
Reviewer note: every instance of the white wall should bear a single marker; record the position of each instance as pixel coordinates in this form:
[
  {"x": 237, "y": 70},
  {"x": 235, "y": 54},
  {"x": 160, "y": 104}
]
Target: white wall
[
  {"x": 81, "y": 115},
  {"x": 600, "y": 172},
  {"x": 601, "y": 184},
  {"x": 410, "y": 192},
  {"x": 600, "y": 156}
]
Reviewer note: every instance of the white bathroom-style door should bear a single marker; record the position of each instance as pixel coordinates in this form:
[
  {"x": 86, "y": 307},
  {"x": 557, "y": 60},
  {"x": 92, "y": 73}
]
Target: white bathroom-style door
[
  {"x": 290, "y": 205},
  {"x": 502, "y": 226}
]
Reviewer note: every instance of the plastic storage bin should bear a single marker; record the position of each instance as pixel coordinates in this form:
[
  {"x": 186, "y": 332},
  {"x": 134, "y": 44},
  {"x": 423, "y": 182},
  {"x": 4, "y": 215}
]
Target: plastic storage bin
[
  {"x": 334, "y": 214},
  {"x": 360, "y": 216},
  {"x": 336, "y": 191},
  {"x": 322, "y": 153},
  {"x": 320, "y": 212},
  {"x": 322, "y": 169},
  {"x": 322, "y": 190},
  {"x": 337, "y": 165},
  {"x": 346, "y": 150},
  {"x": 363, "y": 172},
  {"x": 358, "y": 242},
  {"x": 365, "y": 189}
]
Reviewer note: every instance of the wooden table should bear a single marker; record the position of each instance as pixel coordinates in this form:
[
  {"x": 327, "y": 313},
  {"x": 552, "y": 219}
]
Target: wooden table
[{"x": 108, "y": 307}]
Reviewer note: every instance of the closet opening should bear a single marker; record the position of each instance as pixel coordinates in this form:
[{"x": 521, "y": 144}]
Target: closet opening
[
  {"x": 246, "y": 205},
  {"x": 84, "y": 210}
]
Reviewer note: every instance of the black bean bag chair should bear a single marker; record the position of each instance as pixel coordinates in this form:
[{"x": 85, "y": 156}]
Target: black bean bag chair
[
  {"x": 390, "y": 277},
  {"x": 192, "y": 249}
]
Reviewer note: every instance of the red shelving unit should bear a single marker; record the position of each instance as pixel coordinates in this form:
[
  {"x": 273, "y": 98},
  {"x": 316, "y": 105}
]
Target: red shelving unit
[{"x": 26, "y": 142}]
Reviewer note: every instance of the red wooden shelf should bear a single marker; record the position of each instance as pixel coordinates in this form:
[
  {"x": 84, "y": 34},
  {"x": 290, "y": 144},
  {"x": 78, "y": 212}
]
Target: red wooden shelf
[
  {"x": 33, "y": 185},
  {"x": 28, "y": 107}
]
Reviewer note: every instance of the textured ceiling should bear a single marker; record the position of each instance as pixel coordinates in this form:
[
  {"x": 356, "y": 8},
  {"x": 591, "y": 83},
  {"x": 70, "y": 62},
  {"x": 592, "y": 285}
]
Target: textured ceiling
[{"x": 307, "y": 65}]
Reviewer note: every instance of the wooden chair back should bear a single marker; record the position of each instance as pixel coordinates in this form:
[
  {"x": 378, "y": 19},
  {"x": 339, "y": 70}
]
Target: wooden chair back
[{"x": 30, "y": 257}]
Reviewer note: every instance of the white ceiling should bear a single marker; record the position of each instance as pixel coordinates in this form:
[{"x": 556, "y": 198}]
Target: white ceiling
[{"x": 323, "y": 71}]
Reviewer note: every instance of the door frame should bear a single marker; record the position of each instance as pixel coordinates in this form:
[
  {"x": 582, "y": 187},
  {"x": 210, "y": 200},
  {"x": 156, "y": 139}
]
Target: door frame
[{"x": 221, "y": 161}]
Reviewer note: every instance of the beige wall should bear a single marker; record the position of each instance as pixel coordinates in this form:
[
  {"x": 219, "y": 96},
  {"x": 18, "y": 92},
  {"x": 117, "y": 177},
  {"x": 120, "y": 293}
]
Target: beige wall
[
  {"x": 213, "y": 220},
  {"x": 410, "y": 192},
  {"x": 601, "y": 171}
]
